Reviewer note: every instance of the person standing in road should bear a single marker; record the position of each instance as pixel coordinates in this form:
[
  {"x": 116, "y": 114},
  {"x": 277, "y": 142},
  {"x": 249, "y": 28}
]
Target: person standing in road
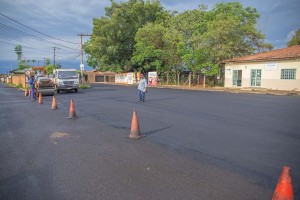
[
  {"x": 142, "y": 88},
  {"x": 32, "y": 83}
]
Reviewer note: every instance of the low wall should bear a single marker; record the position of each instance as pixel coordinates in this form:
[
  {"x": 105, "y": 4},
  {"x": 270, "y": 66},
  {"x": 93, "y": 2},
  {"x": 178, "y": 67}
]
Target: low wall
[
  {"x": 99, "y": 77},
  {"x": 18, "y": 79}
]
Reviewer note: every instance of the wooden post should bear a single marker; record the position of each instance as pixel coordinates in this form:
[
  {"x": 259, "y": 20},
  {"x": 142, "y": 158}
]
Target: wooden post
[
  {"x": 167, "y": 78},
  {"x": 204, "y": 80},
  {"x": 190, "y": 77}
]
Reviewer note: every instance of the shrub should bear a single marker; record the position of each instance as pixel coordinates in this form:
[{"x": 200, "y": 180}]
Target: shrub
[{"x": 84, "y": 86}]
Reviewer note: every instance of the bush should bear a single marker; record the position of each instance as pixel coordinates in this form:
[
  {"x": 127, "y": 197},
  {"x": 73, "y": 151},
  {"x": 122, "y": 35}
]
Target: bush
[
  {"x": 84, "y": 86},
  {"x": 19, "y": 86}
]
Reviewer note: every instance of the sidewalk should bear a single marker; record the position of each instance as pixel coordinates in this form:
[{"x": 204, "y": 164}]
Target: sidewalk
[
  {"x": 220, "y": 89},
  {"x": 234, "y": 90}
]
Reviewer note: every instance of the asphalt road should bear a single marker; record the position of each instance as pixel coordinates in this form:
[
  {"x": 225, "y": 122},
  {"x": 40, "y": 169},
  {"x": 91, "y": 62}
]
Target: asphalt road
[{"x": 198, "y": 145}]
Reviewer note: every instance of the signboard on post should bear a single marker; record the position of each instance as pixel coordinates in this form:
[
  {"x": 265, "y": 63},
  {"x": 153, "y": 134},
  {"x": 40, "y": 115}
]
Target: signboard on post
[
  {"x": 27, "y": 75},
  {"x": 130, "y": 78},
  {"x": 152, "y": 78},
  {"x": 81, "y": 66}
]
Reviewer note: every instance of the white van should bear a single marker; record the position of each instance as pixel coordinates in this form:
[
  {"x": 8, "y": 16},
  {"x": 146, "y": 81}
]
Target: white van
[{"x": 66, "y": 80}]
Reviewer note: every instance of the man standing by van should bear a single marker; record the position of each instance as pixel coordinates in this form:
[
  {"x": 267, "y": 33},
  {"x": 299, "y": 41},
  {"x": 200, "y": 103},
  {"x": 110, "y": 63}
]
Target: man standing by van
[{"x": 142, "y": 88}]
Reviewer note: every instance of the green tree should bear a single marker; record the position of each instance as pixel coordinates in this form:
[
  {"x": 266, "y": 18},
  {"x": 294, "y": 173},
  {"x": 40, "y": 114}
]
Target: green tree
[
  {"x": 19, "y": 52},
  {"x": 149, "y": 47},
  {"x": 231, "y": 31},
  {"x": 190, "y": 24},
  {"x": 141, "y": 35},
  {"x": 49, "y": 69},
  {"x": 47, "y": 61},
  {"x": 156, "y": 48},
  {"x": 112, "y": 44},
  {"x": 263, "y": 47},
  {"x": 295, "y": 40},
  {"x": 23, "y": 65}
]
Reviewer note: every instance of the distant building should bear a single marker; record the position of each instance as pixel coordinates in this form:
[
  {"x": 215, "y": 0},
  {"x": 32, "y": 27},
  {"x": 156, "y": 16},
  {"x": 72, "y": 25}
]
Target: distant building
[
  {"x": 39, "y": 70},
  {"x": 277, "y": 70}
]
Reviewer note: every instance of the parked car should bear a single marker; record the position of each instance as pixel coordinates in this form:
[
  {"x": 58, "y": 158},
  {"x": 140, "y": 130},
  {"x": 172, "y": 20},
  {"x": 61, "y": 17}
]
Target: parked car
[{"x": 45, "y": 86}]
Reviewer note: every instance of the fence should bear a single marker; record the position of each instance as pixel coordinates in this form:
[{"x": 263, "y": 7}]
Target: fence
[{"x": 185, "y": 79}]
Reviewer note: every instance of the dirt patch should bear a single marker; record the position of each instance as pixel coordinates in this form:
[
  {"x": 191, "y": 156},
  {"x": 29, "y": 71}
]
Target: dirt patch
[{"x": 55, "y": 136}]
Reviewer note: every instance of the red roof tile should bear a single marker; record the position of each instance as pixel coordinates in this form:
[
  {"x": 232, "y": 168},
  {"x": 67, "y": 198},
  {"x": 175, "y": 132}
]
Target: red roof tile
[{"x": 278, "y": 54}]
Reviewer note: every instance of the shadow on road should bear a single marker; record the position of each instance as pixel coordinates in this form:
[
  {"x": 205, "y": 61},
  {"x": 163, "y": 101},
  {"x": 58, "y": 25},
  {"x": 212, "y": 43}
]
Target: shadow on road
[
  {"x": 156, "y": 131},
  {"x": 159, "y": 99}
]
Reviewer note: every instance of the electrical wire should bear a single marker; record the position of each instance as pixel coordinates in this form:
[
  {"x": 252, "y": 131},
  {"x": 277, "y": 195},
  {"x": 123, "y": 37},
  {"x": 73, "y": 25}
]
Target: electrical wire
[
  {"x": 36, "y": 30},
  {"x": 42, "y": 9},
  {"x": 34, "y": 36},
  {"x": 11, "y": 30}
]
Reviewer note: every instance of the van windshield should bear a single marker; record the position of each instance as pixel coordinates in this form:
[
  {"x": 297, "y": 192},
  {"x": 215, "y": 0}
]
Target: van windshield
[{"x": 67, "y": 74}]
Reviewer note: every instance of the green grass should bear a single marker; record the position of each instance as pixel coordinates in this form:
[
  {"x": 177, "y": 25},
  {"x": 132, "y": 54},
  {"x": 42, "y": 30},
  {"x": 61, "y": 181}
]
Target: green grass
[
  {"x": 84, "y": 86},
  {"x": 19, "y": 86}
]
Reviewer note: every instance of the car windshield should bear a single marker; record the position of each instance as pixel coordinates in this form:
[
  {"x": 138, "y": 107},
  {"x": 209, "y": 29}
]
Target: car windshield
[
  {"x": 42, "y": 79},
  {"x": 67, "y": 74}
]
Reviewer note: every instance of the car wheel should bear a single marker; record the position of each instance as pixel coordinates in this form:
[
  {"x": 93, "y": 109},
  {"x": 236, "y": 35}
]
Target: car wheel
[
  {"x": 75, "y": 90},
  {"x": 57, "y": 91}
]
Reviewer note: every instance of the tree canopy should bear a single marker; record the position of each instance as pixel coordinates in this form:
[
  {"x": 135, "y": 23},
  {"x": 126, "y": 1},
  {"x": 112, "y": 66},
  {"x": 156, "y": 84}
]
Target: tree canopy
[
  {"x": 295, "y": 39},
  {"x": 112, "y": 44},
  {"x": 142, "y": 36}
]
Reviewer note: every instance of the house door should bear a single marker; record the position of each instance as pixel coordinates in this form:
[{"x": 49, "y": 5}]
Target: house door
[
  {"x": 255, "y": 77},
  {"x": 237, "y": 78}
]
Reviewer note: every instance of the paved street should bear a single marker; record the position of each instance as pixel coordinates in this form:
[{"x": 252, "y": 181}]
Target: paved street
[{"x": 198, "y": 145}]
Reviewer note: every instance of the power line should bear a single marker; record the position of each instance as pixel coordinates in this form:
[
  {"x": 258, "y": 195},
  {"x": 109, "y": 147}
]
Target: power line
[
  {"x": 74, "y": 57},
  {"x": 13, "y": 44},
  {"x": 18, "y": 32},
  {"x": 42, "y": 9},
  {"x": 36, "y": 30}
]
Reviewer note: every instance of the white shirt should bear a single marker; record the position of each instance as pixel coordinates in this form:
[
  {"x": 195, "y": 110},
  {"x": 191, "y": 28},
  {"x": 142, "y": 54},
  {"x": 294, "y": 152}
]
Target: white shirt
[{"x": 143, "y": 84}]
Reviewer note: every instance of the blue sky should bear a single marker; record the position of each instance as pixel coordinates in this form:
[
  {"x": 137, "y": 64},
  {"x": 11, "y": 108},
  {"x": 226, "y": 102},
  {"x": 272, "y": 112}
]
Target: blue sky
[{"x": 63, "y": 20}]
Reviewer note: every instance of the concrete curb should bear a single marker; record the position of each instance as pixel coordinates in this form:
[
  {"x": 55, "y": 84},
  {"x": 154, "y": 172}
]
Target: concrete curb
[{"x": 218, "y": 89}]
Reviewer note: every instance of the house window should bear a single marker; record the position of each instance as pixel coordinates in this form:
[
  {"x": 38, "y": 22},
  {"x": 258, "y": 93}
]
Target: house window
[
  {"x": 288, "y": 74},
  {"x": 256, "y": 77}
]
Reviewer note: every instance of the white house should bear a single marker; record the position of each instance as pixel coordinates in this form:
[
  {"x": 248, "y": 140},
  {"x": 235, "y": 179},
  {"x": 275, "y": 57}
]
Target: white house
[{"x": 277, "y": 70}]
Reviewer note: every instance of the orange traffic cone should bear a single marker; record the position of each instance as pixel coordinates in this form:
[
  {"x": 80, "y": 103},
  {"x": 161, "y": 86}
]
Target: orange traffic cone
[
  {"x": 72, "y": 113},
  {"x": 40, "y": 98},
  {"x": 135, "y": 128},
  {"x": 54, "y": 105},
  {"x": 284, "y": 188}
]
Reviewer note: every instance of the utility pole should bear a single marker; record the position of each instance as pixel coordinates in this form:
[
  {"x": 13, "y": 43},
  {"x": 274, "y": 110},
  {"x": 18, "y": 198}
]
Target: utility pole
[
  {"x": 81, "y": 55},
  {"x": 54, "y": 48}
]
